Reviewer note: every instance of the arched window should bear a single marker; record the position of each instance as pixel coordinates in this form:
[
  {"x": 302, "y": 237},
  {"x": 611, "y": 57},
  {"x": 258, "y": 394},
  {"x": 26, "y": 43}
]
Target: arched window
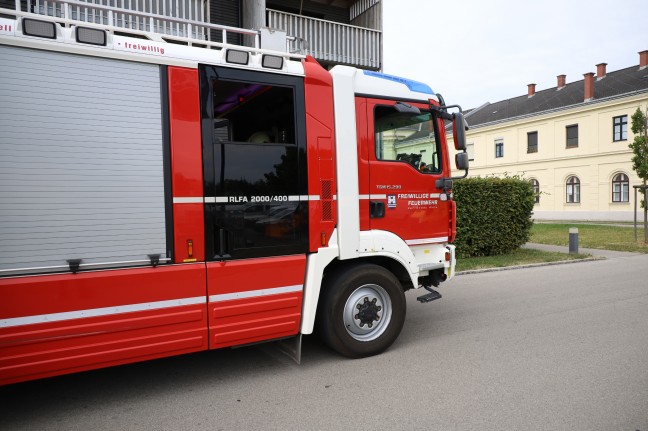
[
  {"x": 620, "y": 188},
  {"x": 536, "y": 189},
  {"x": 573, "y": 190}
]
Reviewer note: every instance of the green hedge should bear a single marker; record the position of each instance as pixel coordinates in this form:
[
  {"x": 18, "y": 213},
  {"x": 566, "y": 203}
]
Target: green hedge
[{"x": 493, "y": 215}]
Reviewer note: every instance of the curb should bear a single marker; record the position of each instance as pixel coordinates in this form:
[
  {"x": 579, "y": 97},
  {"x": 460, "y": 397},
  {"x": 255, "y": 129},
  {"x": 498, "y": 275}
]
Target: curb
[{"x": 530, "y": 265}]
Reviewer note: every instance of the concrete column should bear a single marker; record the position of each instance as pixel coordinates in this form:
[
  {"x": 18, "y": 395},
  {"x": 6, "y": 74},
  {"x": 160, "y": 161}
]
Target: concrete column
[{"x": 253, "y": 16}]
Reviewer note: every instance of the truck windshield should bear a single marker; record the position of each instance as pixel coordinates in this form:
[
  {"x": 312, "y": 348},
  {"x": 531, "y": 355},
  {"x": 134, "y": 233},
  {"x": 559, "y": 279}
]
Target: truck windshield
[{"x": 407, "y": 137}]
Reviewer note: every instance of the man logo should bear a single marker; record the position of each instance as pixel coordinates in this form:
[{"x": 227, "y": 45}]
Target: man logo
[{"x": 391, "y": 201}]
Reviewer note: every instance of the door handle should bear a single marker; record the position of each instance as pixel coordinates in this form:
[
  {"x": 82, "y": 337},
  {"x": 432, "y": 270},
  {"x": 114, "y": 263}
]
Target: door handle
[
  {"x": 376, "y": 209},
  {"x": 223, "y": 245}
]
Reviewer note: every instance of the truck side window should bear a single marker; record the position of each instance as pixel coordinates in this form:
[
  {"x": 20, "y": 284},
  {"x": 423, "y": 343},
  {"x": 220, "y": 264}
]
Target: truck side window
[
  {"x": 254, "y": 113},
  {"x": 408, "y": 138}
]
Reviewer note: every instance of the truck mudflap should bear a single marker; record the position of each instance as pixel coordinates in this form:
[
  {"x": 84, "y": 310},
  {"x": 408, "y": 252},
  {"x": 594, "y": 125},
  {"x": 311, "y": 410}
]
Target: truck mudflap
[{"x": 450, "y": 268}]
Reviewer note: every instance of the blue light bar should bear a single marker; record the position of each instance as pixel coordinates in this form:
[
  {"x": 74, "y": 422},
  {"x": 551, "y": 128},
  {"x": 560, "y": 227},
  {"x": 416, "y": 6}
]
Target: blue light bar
[{"x": 419, "y": 87}]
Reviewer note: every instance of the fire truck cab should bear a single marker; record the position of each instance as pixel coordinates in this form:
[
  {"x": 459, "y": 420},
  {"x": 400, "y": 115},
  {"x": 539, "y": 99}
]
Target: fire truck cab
[{"x": 163, "y": 198}]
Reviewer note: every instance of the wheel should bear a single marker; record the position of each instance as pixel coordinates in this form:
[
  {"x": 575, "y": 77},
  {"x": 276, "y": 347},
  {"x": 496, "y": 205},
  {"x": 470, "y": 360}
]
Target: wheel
[{"x": 362, "y": 310}]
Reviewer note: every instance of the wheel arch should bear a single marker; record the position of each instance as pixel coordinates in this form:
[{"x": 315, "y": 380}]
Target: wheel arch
[
  {"x": 321, "y": 266},
  {"x": 390, "y": 264}
]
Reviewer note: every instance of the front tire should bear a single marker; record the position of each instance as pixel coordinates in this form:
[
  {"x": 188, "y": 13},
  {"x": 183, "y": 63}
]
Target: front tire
[{"x": 362, "y": 310}]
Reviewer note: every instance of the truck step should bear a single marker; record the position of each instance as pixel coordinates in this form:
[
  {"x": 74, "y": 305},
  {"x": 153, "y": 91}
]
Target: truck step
[{"x": 429, "y": 297}]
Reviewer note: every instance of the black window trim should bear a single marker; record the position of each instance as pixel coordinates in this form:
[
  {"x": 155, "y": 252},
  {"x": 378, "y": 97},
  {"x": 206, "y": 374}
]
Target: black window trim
[
  {"x": 499, "y": 144},
  {"x": 567, "y": 129},
  {"x": 529, "y": 146},
  {"x": 624, "y": 180},
  {"x": 575, "y": 182},
  {"x": 536, "y": 189},
  {"x": 623, "y": 121}
]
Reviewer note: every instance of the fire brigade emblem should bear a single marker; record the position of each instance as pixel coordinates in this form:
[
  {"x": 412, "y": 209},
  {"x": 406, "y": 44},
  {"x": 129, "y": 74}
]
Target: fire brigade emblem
[{"x": 391, "y": 201}]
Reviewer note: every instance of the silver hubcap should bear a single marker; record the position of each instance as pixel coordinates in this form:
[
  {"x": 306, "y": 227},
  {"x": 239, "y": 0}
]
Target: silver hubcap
[{"x": 367, "y": 312}]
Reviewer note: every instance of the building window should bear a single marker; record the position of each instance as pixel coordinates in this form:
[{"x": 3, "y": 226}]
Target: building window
[
  {"x": 536, "y": 190},
  {"x": 572, "y": 136},
  {"x": 470, "y": 149},
  {"x": 532, "y": 142},
  {"x": 620, "y": 188},
  {"x": 499, "y": 148},
  {"x": 573, "y": 190},
  {"x": 620, "y": 128}
]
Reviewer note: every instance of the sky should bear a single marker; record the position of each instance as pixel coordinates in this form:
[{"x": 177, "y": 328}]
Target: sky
[{"x": 478, "y": 51}]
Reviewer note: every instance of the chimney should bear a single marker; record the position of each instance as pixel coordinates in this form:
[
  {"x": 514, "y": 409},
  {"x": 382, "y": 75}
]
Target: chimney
[
  {"x": 643, "y": 59},
  {"x": 600, "y": 71},
  {"x": 562, "y": 81},
  {"x": 531, "y": 91},
  {"x": 589, "y": 86}
]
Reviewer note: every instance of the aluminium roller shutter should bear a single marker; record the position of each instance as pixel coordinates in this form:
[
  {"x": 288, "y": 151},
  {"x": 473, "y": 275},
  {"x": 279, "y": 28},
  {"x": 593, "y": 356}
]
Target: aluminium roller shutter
[
  {"x": 81, "y": 161},
  {"x": 225, "y": 12}
]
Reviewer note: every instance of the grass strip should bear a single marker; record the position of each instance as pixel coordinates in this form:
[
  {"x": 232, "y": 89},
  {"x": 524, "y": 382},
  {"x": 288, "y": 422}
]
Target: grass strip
[
  {"x": 602, "y": 237},
  {"x": 520, "y": 256}
]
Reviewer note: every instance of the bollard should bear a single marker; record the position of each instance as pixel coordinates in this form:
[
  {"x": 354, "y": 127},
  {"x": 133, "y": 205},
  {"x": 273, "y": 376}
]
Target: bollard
[{"x": 573, "y": 240}]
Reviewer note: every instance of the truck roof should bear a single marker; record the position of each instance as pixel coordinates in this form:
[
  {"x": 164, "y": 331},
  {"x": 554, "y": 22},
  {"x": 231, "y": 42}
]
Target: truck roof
[
  {"x": 156, "y": 48},
  {"x": 369, "y": 83}
]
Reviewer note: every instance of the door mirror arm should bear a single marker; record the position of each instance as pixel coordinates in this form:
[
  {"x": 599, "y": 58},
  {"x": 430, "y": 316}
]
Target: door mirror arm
[{"x": 459, "y": 128}]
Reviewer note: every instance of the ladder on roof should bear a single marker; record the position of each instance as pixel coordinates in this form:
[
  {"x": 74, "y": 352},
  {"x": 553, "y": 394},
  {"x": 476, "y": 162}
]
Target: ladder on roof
[{"x": 179, "y": 21}]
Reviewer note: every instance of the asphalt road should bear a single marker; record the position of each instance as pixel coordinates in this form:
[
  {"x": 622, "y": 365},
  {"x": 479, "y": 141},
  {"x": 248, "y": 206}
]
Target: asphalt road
[{"x": 560, "y": 347}]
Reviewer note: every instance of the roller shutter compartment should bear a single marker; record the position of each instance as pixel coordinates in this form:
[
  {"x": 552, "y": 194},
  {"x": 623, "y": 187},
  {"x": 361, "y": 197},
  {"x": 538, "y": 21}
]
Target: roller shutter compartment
[{"x": 81, "y": 162}]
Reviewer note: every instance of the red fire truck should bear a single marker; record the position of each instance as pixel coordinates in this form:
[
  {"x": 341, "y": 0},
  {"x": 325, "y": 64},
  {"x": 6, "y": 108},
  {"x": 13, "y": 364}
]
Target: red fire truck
[{"x": 160, "y": 198}]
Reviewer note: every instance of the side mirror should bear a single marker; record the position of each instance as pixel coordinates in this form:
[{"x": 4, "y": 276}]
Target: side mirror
[
  {"x": 461, "y": 160},
  {"x": 459, "y": 131}
]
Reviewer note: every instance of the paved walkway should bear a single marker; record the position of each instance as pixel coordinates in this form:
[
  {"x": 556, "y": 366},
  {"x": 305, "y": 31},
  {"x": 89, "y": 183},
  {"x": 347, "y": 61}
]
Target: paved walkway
[{"x": 594, "y": 252}]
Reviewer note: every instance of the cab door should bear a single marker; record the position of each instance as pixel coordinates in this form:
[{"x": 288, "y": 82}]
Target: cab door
[
  {"x": 256, "y": 204},
  {"x": 405, "y": 154}
]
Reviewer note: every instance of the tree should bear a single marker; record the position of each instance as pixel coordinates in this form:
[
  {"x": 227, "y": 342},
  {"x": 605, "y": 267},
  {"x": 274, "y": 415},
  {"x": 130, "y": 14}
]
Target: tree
[{"x": 639, "y": 147}]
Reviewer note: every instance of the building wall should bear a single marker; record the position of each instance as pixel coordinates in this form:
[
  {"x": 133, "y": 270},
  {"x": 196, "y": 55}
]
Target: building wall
[
  {"x": 371, "y": 16},
  {"x": 595, "y": 161}
]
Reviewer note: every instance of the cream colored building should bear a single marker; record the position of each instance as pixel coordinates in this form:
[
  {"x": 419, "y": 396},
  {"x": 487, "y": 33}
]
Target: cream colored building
[{"x": 570, "y": 140}]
